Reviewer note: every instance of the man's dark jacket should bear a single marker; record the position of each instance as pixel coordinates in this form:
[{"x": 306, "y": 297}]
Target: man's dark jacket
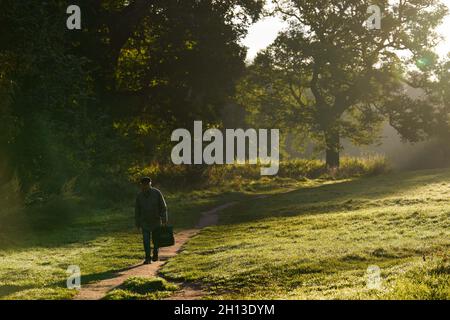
[{"x": 150, "y": 209}]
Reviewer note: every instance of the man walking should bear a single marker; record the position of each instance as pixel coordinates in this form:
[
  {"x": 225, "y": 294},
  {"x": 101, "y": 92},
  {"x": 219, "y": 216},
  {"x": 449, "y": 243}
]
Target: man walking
[{"x": 150, "y": 213}]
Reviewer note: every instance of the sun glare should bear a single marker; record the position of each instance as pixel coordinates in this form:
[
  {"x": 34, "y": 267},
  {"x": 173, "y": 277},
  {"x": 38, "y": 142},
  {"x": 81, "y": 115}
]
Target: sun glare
[{"x": 444, "y": 48}]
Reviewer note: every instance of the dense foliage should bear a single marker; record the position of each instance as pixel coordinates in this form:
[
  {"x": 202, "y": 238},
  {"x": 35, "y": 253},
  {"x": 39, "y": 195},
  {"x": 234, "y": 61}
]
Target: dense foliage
[{"x": 87, "y": 103}]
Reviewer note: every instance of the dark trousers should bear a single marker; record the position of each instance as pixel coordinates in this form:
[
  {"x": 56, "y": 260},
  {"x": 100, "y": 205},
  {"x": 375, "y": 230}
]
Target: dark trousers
[{"x": 147, "y": 237}]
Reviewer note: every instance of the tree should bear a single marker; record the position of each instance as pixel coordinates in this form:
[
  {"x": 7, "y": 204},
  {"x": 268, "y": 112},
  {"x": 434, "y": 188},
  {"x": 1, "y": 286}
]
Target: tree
[
  {"x": 162, "y": 64},
  {"x": 330, "y": 75},
  {"x": 84, "y": 102},
  {"x": 44, "y": 90}
]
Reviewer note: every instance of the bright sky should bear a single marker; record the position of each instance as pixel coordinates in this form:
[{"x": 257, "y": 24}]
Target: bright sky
[{"x": 264, "y": 32}]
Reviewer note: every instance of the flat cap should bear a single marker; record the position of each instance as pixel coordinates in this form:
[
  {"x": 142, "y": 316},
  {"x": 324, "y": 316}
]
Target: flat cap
[{"x": 146, "y": 180}]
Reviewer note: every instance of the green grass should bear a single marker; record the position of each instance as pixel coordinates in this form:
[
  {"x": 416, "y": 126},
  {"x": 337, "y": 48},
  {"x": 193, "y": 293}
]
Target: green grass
[
  {"x": 310, "y": 239},
  {"x": 428, "y": 281},
  {"x": 38, "y": 244},
  {"x": 138, "y": 288},
  {"x": 317, "y": 242},
  {"x": 236, "y": 175}
]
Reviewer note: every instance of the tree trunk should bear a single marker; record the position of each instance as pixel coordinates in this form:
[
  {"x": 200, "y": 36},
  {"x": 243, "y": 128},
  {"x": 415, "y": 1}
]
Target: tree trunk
[{"x": 332, "y": 140}]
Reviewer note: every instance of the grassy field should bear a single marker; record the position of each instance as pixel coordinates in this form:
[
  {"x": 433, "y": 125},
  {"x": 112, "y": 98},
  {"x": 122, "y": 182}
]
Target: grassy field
[
  {"x": 37, "y": 245},
  {"x": 318, "y": 242},
  {"x": 309, "y": 239}
]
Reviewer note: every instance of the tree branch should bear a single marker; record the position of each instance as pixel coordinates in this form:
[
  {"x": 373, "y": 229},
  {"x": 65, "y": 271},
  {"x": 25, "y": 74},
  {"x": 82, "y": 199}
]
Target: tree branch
[{"x": 314, "y": 86}]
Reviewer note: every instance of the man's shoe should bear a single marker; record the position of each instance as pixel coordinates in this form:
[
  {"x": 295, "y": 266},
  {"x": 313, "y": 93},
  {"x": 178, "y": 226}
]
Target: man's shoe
[
  {"x": 155, "y": 258},
  {"x": 147, "y": 261}
]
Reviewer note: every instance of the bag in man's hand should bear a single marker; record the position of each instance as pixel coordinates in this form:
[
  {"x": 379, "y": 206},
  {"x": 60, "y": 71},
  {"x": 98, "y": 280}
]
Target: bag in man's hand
[{"x": 163, "y": 236}]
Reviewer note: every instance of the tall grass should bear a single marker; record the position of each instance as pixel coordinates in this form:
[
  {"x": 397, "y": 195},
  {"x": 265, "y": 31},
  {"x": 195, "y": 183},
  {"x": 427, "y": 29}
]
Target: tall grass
[
  {"x": 430, "y": 281},
  {"x": 220, "y": 175},
  {"x": 35, "y": 209}
]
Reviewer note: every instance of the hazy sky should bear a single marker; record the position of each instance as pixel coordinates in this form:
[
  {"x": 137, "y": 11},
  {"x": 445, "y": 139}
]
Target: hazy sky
[{"x": 264, "y": 32}]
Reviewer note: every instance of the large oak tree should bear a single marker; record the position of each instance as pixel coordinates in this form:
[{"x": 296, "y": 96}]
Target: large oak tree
[{"x": 327, "y": 73}]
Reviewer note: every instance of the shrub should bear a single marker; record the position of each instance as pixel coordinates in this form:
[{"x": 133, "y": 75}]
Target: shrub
[{"x": 367, "y": 166}]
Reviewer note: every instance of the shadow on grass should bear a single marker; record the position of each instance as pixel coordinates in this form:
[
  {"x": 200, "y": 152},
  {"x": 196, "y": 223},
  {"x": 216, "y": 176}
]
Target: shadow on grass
[
  {"x": 113, "y": 273},
  {"x": 85, "y": 280},
  {"x": 53, "y": 229},
  {"x": 6, "y": 290}
]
